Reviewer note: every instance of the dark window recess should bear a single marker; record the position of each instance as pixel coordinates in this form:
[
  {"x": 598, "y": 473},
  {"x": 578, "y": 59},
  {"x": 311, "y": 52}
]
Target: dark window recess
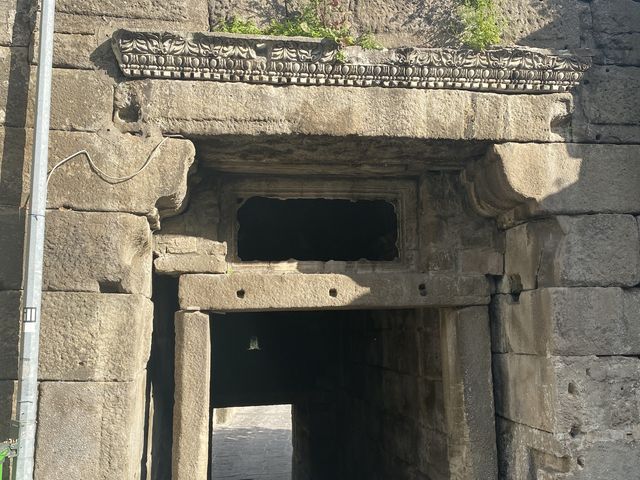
[{"x": 317, "y": 229}]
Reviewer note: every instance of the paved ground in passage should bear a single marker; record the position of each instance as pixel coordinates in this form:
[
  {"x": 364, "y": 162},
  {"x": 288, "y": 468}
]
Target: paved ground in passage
[{"x": 254, "y": 445}]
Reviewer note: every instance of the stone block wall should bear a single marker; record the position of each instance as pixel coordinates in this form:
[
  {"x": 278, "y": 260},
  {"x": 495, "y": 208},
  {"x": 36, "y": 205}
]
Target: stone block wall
[
  {"x": 556, "y": 24},
  {"x": 453, "y": 237},
  {"x": 566, "y": 364},
  {"x": 564, "y": 319},
  {"x": 14, "y": 82},
  {"x": 96, "y": 332},
  {"x": 316, "y": 434},
  {"x": 92, "y": 259},
  {"x": 97, "y": 314},
  {"x": 607, "y": 110},
  {"x": 606, "y": 106},
  {"x": 414, "y": 400},
  {"x": 384, "y": 417},
  {"x": 393, "y": 417},
  {"x": 564, "y": 316},
  {"x": 565, "y": 313}
]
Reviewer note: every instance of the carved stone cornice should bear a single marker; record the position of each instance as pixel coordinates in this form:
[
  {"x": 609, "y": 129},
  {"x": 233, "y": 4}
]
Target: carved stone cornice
[{"x": 309, "y": 61}]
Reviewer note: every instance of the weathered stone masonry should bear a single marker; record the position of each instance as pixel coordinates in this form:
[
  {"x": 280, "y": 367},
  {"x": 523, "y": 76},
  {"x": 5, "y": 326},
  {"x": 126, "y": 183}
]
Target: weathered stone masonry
[{"x": 559, "y": 173}]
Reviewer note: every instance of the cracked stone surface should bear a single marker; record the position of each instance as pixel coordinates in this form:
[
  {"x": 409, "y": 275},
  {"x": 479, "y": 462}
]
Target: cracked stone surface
[{"x": 254, "y": 445}]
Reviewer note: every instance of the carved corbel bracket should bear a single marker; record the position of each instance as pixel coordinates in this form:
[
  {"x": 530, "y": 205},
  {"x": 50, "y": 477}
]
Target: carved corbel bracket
[{"x": 517, "y": 181}]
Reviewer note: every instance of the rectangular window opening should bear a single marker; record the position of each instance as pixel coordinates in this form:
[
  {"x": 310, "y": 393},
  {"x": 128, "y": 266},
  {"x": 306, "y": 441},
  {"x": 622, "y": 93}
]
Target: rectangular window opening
[{"x": 272, "y": 229}]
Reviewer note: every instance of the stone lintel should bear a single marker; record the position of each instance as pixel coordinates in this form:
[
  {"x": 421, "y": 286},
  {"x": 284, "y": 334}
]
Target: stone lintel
[
  {"x": 235, "y": 108},
  {"x": 309, "y": 61},
  {"x": 294, "y": 291}
]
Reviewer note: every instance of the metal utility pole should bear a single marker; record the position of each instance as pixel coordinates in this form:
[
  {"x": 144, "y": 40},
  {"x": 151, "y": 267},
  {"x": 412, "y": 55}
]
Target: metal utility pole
[{"x": 28, "y": 374}]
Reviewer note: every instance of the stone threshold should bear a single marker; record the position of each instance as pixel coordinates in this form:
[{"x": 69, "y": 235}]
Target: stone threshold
[
  {"x": 298, "y": 291},
  {"x": 308, "y": 61}
]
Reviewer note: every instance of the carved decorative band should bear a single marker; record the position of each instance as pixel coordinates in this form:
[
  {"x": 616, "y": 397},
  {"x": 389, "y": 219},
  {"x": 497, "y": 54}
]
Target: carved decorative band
[{"x": 303, "y": 61}]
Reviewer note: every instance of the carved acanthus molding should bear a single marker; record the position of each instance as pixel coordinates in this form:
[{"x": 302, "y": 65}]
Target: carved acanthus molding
[{"x": 307, "y": 61}]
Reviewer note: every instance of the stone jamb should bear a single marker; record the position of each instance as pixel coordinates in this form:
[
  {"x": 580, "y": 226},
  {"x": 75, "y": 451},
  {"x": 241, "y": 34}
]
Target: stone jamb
[
  {"x": 466, "y": 363},
  {"x": 468, "y": 393},
  {"x": 191, "y": 412}
]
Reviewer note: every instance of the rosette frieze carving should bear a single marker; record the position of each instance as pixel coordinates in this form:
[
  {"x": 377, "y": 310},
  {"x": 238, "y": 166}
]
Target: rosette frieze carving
[{"x": 308, "y": 61}]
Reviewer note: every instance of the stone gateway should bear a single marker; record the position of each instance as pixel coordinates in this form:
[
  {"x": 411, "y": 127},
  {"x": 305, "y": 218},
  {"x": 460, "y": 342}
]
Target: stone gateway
[{"x": 432, "y": 253}]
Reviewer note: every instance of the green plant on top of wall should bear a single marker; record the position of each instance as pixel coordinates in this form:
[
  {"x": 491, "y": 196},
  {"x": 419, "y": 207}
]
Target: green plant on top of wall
[
  {"x": 480, "y": 20},
  {"x": 237, "y": 25},
  {"x": 316, "y": 19},
  {"x": 482, "y": 25}
]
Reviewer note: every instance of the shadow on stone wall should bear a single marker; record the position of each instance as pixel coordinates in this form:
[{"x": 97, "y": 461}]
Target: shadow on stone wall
[
  {"x": 14, "y": 89},
  {"x": 15, "y": 64},
  {"x": 160, "y": 382},
  {"x": 607, "y": 107}
]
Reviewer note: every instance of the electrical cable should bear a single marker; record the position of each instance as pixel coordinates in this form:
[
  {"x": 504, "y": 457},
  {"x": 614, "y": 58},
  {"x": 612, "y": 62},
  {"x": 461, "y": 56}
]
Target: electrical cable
[{"x": 104, "y": 175}]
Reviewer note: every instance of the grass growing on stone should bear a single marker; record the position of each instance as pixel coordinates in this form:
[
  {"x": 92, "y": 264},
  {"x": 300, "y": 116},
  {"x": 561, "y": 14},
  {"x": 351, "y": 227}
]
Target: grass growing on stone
[
  {"x": 482, "y": 25},
  {"x": 237, "y": 25},
  {"x": 316, "y": 19}
]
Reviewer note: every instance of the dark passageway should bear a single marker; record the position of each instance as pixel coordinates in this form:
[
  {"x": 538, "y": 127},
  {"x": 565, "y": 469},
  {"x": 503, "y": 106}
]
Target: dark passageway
[{"x": 365, "y": 389}]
